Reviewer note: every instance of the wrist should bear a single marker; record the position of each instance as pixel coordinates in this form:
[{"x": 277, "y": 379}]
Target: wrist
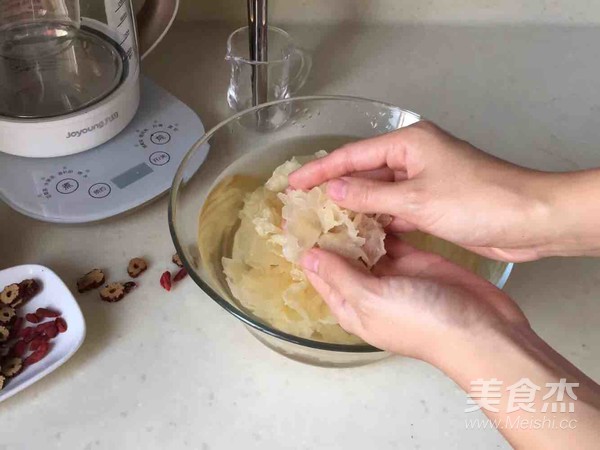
[{"x": 574, "y": 219}]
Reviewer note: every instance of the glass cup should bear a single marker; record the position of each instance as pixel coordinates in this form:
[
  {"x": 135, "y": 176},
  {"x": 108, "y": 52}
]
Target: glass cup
[{"x": 284, "y": 73}]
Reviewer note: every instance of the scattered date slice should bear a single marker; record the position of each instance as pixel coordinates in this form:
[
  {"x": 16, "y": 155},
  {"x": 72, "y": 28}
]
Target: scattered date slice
[
  {"x": 129, "y": 286},
  {"x": 112, "y": 293},
  {"x": 177, "y": 260},
  {"x": 91, "y": 280},
  {"x": 136, "y": 267}
]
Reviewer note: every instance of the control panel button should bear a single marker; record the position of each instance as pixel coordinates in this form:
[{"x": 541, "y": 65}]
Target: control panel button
[
  {"x": 99, "y": 190},
  {"x": 159, "y": 158},
  {"x": 67, "y": 186},
  {"x": 160, "y": 138}
]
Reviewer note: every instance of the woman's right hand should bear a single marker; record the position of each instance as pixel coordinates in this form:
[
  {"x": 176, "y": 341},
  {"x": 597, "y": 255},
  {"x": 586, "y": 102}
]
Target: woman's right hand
[{"x": 429, "y": 180}]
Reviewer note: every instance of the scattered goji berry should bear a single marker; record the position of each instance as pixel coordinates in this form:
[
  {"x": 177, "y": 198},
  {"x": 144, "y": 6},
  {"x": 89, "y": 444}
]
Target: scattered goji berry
[
  {"x": 165, "y": 280},
  {"x": 61, "y": 324},
  {"x": 46, "y": 313},
  {"x": 32, "y": 318},
  {"x": 180, "y": 275}
]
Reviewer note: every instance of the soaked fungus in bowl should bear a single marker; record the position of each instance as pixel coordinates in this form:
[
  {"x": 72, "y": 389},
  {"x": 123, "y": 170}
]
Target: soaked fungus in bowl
[{"x": 253, "y": 233}]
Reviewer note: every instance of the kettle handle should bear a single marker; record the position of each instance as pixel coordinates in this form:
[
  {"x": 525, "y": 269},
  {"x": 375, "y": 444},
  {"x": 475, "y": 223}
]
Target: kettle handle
[{"x": 153, "y": 21}]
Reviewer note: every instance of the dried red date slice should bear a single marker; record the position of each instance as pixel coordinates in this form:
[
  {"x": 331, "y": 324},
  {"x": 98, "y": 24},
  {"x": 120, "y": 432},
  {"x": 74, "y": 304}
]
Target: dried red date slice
[
  {"x": 180, "y": 275},
  {"x": 165, "y": 280},
  {"x": 11, "y": 367},
  {"x": 112, "y": 293},
  {"x": 136, "y": 267},
  {"x": 61, "y": 324},
  {"x": 9, "y": 294},
  {"x": 6, "y": 314},
  {"x": 4, "y": 333},
  {"x": 28, "y": 289},
  {"x": 32, "y": 318},
  {"x": 91, "y": 280},
  {"x": 177, "y": 260},
  {"x": 129, "y": 286},
  {"x": 47, "y": 313}
]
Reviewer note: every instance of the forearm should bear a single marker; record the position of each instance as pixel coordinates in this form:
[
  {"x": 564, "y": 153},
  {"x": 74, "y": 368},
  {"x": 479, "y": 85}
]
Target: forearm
[
  {"x": 574, "y": 219},
  {"x": 511, "y": 355}
]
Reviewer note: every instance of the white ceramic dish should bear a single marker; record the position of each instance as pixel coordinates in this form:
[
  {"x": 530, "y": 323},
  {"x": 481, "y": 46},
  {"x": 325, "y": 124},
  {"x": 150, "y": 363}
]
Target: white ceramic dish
[{"x": 55, "y": 295}]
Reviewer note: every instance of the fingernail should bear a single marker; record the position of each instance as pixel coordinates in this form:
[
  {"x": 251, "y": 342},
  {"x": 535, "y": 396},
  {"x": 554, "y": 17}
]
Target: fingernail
[
  {"x": 310, "y": 261},
  {"x": 337, "y": 189}
]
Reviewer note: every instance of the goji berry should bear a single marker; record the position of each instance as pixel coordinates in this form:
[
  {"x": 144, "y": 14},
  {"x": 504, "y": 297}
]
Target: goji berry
[
  {"x": 19, "y": 349},
  {"x": 61, "y": 324},
  {"x": 47, "y": 313},
  {"x": 35, "y": 344},
  {"x": 165, "y": 280},
  {"x": 33, "y": 318},
  {"x": 180, "y": 275},
  {"x": 43, "y": 326},
  {"x": 31, "y": 336},
  {"x": 25, "y": 332},
  {"x": 36, "y": 356},
  {"x": 51, "y": 331}
]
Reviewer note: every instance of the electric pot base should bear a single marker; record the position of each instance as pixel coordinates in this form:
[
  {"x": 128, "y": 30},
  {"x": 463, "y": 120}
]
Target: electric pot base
[{"x": 126, "y": 172}]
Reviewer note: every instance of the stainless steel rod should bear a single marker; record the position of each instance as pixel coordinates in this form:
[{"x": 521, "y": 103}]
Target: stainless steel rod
[{"x": 259, "y": 48}]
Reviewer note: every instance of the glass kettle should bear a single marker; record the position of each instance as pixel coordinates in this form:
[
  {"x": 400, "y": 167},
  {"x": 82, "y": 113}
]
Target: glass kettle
[{"x": 62, "y": 59}]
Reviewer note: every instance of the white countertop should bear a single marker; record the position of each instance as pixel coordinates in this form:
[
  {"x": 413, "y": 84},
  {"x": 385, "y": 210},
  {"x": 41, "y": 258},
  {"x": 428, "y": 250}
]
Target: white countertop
[{"x": 173, "y": 371}]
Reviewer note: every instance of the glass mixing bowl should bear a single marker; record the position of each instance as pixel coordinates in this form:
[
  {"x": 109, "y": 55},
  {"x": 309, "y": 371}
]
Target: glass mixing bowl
[{"x": 237, "y": 148}]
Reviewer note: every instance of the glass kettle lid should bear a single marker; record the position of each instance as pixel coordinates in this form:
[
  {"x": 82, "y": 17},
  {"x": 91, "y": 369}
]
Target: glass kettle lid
[{"x": 51, "y": 65}]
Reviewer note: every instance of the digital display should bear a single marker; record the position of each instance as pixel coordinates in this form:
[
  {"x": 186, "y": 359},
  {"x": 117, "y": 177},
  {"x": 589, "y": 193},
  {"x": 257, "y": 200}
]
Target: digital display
[{"x": 132, "y": 175}]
